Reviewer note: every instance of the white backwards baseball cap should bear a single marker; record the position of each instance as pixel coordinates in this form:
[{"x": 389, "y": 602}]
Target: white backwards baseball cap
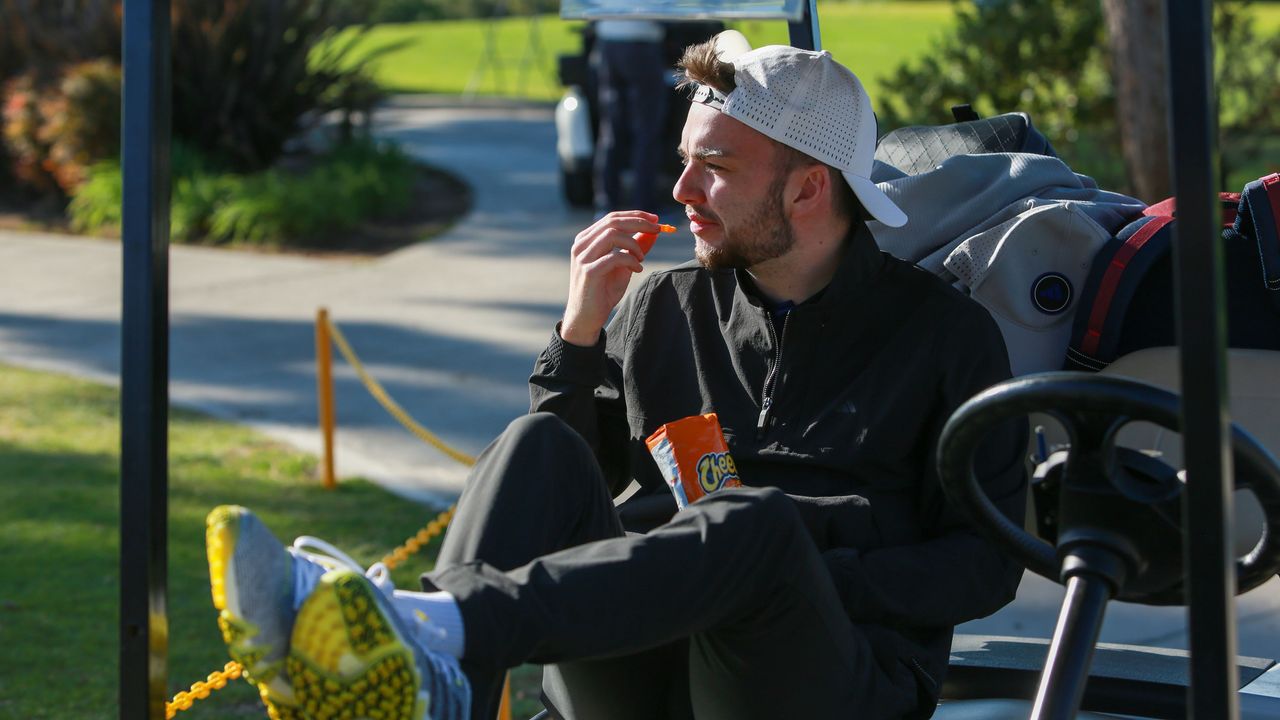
[{"x": 807, "y": 101}]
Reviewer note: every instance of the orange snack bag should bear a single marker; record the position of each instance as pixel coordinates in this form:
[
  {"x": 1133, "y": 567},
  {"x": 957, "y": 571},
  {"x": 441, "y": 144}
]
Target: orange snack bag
[{"x": 693, "y": 457}]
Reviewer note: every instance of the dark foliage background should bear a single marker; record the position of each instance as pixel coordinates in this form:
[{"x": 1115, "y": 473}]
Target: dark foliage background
[
  {"x": 248, "y": 76},
  {"x": 1048, "y": 58}
]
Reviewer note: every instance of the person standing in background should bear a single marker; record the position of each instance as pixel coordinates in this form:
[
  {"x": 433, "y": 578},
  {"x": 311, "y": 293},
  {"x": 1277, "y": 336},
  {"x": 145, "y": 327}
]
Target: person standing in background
[{"x": 630, "y": 75}]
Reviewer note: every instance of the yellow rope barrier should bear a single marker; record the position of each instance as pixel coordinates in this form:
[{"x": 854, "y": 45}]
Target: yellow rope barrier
[
  {"x": 199, "y": 691},
  {"x": 379, "y": 394},
  {"x": 232, "y": 670},
  {"x": 424, "y": 536}
]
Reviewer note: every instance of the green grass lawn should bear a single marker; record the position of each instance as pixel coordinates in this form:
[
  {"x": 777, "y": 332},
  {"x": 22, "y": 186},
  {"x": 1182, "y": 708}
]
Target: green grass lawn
[
  {"x": 59, "y": 539},
  {"x": 517, "y": 56}
]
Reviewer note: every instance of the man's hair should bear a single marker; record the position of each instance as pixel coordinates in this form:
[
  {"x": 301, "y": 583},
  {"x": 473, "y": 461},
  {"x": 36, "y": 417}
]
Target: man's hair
[{"x": 700, "y": 65}]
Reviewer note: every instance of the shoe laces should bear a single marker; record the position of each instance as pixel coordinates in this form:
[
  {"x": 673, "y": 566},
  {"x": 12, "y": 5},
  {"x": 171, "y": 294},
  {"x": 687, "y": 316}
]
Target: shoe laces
[{"x": 318, "y": 557}]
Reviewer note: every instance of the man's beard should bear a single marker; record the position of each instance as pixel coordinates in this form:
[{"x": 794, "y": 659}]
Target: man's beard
[{"x": 765, "y": 235}]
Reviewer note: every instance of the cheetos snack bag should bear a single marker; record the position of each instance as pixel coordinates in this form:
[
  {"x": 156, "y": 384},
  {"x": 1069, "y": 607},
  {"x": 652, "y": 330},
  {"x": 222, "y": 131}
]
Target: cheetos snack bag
[{"x": 693, "y": 457}]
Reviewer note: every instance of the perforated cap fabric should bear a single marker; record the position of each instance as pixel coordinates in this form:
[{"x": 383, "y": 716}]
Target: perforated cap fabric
[
  {"x": 806, "y": 100},
  {"x": 1027, "y": 272}
]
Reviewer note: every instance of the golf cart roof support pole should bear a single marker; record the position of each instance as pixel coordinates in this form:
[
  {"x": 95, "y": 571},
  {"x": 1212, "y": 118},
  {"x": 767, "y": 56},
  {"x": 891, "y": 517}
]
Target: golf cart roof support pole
[
  {"x": 144, "y": 361},
  {"x": 804, "y": 32},
  {"x": 1200, "y": 303}
]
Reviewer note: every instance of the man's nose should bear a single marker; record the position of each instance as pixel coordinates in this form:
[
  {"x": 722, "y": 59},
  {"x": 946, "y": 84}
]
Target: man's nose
[{"x": 687, "y": 190}]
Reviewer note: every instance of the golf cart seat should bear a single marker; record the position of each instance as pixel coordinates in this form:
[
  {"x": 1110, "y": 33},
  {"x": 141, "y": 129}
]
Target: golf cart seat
[{"x": 920, "y": 148}]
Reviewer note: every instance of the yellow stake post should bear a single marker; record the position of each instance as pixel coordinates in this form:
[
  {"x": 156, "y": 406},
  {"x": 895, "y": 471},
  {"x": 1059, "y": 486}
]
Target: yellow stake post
[
  {"x": 504, "y": 710},
  {"x": 324, "y": 387}
]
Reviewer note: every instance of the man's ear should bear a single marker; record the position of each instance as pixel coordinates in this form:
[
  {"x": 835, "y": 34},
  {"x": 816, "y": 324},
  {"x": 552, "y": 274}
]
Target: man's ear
[{"x": 811, "y": 190}]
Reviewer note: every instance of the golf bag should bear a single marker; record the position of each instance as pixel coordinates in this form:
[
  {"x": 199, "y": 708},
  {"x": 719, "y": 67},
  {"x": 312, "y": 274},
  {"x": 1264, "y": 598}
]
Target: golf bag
[{"x": 1127, "y": 302}]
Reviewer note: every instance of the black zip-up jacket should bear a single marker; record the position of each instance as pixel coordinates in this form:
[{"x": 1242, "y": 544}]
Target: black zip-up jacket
[{"x": 842, "y": 411}]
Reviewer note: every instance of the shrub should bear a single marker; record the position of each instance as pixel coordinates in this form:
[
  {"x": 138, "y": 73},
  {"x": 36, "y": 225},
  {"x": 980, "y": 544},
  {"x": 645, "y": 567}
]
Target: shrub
[
  {"x": 55, "y": 132},
  {"x": 354, "y": 182},
  {"x": 1247, "y": 67},
  {"x": 39, "y": 39},
  {"x": 1048, "y": 58},
  {"x": 250, "y": 73},
  {"x": 247, "y": 75},
  {"x": 81, "y": 120},
  {"x": 98, "y": 203},
  {"x": 1038, "y": 56},
  {"x": 20, "y": 121},
  {"x": 342, "y": 188}
]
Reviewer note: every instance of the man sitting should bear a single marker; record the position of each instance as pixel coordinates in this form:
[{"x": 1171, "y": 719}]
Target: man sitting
[{"x": 828, "y": 588}]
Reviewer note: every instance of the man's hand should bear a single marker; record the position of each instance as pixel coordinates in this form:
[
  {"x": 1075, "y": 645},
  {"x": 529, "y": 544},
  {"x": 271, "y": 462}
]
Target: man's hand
[{"x": 603, "y": 259}]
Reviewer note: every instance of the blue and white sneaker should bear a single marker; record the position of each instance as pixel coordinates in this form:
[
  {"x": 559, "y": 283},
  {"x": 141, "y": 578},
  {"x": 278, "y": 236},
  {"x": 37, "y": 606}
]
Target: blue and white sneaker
[
  {"x": 254, "y": 581},
  {"x": 355, "y": 654},
  {"x": 258, "y": 586}
]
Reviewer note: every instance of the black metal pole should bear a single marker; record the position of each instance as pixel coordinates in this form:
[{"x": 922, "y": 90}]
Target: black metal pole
[
  {"x": 804, "y": 32},
  {"x": 1066, "y": 668},
  {"x": 144, "y": 362},
  {"x": 1201, "y": 337}
]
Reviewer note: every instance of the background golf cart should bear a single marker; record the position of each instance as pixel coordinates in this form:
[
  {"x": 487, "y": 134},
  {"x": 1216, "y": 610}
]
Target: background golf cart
[
  {"x": 1136, "y": 681},
  {"x": 578, "y": 111}
]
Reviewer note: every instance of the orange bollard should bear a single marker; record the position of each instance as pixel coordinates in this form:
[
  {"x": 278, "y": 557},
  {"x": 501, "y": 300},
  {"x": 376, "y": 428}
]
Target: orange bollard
[
  {"x": 504, "y": 710},
  {"x": 324, "y": 392}
]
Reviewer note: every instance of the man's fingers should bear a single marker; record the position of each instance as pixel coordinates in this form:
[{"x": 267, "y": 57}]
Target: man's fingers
[
  {"x": 588, "y": 247},
  {"x": 608, "y": 263}
]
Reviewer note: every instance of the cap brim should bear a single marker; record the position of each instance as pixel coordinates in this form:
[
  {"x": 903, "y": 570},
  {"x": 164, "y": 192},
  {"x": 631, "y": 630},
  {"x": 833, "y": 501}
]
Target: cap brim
[
  {"x": 875, "y": 201},
  {"x": 1032, "y": 350},
  {"x": 731, "y": 44}
]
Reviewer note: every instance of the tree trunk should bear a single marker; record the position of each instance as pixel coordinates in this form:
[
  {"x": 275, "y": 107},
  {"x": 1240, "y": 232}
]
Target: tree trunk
[{"x": 1136, "y": 37}]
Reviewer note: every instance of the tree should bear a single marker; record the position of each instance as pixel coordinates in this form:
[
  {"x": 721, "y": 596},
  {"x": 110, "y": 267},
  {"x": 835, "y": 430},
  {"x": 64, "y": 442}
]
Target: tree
[{"x": 1138, "y": 46}]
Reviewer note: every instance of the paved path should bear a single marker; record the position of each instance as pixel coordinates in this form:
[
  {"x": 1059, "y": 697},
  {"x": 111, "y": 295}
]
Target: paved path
[{"x": 450, "y": 327}]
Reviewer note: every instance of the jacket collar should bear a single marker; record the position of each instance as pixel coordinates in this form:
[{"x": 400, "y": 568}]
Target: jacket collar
[{"x": 859, "y": 264}]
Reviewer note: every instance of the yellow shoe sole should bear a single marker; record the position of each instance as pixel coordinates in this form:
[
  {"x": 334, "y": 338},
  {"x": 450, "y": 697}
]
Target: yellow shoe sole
[{"x": 347, "y": 659}]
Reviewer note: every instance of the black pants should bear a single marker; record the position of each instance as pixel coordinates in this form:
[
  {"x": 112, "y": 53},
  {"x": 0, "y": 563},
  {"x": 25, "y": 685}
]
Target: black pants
[{"x": 727, "y": 611}]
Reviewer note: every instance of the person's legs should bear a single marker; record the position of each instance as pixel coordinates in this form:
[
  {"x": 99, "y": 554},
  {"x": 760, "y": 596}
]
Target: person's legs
[
  {"x": 648, "y": 685},
  {"x": 736, "y": 573},
  {"x": 535, "y": 490},
  {"x": 647, "y": 91},
  {"x": 736, "y": 576},
  {"x": 612, "y": 120}
]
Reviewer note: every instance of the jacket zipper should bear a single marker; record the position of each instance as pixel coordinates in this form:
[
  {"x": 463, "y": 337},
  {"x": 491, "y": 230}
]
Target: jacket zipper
[
  {"x": 934, "y": 683},
  {"x": 766, "y": 398}
]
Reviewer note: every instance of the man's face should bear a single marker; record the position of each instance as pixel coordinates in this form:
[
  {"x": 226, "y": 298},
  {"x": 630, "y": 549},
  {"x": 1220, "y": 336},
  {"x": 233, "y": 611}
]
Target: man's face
[{"x": 732, "y": 189}]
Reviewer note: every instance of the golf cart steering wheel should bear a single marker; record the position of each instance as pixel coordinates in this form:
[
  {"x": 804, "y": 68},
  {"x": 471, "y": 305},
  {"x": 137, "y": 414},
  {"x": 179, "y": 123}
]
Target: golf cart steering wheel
[{"x": 1136, "y": 514}]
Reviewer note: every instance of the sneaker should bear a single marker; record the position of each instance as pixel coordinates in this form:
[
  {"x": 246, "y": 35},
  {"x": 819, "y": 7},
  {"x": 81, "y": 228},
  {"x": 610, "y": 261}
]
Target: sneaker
[
  {"x": 258, "y": 586},
  {"x": 353, "y": 654},
  {"x": 253, "y": 581}
]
